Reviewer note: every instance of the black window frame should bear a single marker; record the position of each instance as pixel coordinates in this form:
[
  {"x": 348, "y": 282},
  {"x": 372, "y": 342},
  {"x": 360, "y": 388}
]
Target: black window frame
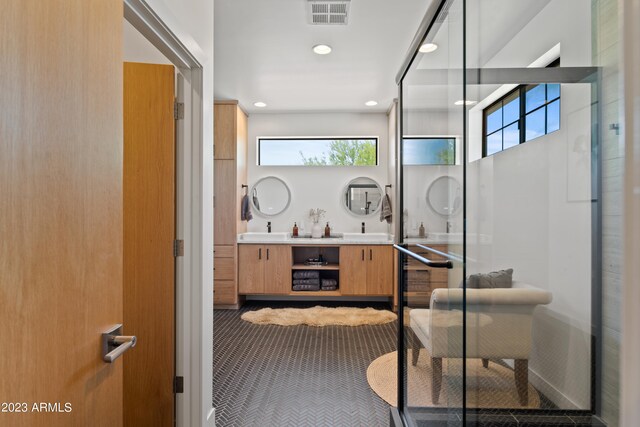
[
  {"x": 522, "y": 119},
  {"x": 319, "y": 138}
]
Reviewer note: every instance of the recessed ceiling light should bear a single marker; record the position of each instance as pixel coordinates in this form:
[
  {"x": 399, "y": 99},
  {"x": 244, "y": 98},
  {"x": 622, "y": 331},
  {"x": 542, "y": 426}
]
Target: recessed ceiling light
[
  {"x": 467, "y": 102},
  {"x": 260, "y": 104},
  {"x": 371, "y": 103},
  {"x": 428, "y": 47},
  {"x": 322, "y": 49}
]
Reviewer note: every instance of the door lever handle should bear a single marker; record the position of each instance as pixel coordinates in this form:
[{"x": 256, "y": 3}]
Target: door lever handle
[{"x": 114, "y": 345}]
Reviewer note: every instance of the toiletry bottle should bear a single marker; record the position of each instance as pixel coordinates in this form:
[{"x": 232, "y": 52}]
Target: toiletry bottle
[
  {"x": 421, "y": 230},
  {"x": 327, "y": 231},
  {"x": 295, "y": 230}
]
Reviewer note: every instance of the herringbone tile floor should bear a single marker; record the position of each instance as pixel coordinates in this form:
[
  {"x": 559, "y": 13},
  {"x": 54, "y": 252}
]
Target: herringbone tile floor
[{"x": 275, "y": 376}]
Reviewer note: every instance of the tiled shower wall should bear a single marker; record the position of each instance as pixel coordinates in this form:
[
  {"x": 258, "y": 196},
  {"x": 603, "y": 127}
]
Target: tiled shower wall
[{"x": 606, "y": 51}]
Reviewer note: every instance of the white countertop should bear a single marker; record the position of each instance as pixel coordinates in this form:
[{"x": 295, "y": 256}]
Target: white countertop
[
  {"x": 449, "y": 239},
  {"x": 435, "y": 239},
  {"x": 280, "y": 238}
]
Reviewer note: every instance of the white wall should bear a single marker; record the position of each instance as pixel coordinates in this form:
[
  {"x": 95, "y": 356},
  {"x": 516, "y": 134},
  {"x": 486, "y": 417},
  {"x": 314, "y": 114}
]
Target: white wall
[
  {"x": 192, "y": 23},
  {"x": 417, "y": 179},
  {"x": 322, "y": 186},
  {"x": 533, "y": 200},
  {"x": 138, "y": 49},
  {"x": 392, "y": 129}
]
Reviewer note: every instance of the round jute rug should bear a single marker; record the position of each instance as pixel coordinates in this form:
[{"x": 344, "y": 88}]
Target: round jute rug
[{"x": 492, "y": 387}]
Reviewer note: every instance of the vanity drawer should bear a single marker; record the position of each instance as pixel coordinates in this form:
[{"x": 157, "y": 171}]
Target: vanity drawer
[
  {"x": 439, "y": 275},
  {"x": 224, "y": 251},
  {"x": 427, "y": 254},
  {"x": 224, "y": 269},
  {"x": 224, "y": 292}
]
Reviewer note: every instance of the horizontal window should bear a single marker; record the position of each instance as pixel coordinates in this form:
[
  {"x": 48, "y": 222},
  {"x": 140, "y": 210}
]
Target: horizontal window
[
  {"x": 428, "y": 151},
  {"x": 525, "y": 113},
  {"x": 318, "y": 151}
]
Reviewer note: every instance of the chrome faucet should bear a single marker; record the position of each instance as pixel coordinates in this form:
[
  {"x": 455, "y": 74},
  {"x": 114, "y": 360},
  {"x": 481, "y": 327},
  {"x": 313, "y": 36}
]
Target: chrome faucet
[
  {"x": 269, "y": 227},
  {"x": 362, "y": 228},
  {"x": 449, "y": 226}
]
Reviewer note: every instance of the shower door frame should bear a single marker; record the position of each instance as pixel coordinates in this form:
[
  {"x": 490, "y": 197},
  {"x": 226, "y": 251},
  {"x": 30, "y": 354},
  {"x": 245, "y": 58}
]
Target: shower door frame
[{"x": 562, "y": 75}]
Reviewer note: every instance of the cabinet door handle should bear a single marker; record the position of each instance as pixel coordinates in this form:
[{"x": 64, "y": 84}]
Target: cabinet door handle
[
  {"x": 259, "y": 253},
  {"x": 370, "y": 254},
  {"x": 363, "y": 254},
  {"x": 267, "y": 254}
]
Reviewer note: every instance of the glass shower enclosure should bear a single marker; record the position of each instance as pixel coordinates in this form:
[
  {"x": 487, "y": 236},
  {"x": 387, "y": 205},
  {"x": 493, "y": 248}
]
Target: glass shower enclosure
[{"x": 499, "y": 163}]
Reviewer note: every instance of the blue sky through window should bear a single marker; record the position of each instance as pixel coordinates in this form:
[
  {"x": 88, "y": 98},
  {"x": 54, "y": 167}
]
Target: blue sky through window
[{"x": 428, "y": 151}]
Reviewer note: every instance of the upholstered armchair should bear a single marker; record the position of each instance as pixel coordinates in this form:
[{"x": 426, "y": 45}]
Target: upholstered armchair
[{"x": 499, "y": 323}]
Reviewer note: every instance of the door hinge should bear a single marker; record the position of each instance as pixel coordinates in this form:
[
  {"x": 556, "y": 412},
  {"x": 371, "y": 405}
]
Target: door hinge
[
  {"x": 178, "y": 248},
  {"x": 178, "y": 384},
  {"x": 178, "y": 110}
]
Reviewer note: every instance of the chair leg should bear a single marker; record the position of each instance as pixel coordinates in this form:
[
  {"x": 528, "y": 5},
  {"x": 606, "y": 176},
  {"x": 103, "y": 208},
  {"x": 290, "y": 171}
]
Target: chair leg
[
  {"x": 436, "y": 380},
  {"x": 522, "y": 380},
  {"x": 485, "y": 363},
  {"x": 415, "y": 353}
]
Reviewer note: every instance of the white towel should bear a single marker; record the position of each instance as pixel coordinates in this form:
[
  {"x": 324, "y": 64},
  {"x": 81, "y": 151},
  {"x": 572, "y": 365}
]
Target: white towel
[{"x": 385, "y": 210}]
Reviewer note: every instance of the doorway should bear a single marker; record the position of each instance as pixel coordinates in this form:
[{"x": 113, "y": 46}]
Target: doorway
[{"x": 193, "y": 198}]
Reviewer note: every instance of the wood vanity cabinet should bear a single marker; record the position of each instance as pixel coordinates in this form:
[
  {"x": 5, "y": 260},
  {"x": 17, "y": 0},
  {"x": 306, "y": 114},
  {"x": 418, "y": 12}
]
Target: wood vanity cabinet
[
  {"x": 421, "y": 280},
  {"x": 366, "y": 270},
  {"x": 264, "y": 269},
  {"x": 230, "y": 164}
]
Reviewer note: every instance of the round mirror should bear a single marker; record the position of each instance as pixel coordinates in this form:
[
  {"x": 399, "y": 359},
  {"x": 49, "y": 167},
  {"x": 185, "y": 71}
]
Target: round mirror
[
  {"x": 270, "y": 196},
  {"x": 444, "y": 196},
  {"x": 362, "y": 196}
]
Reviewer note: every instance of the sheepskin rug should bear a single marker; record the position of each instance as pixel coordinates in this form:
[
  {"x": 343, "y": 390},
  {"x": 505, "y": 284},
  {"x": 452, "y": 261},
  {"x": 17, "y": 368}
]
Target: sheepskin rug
[{"x": 319, "y": 316}]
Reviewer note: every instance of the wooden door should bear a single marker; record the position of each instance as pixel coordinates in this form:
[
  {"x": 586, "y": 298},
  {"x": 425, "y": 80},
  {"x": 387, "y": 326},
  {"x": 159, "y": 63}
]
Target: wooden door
[
  {"x": 149, "y": 232},
  {"x": 60, "y": 209},
  {"x": 277, "y": 269},
  {"x": 379, "y": 270},
  {"x": 353, "y": 270},
  {"x": 251, "y": 259}
]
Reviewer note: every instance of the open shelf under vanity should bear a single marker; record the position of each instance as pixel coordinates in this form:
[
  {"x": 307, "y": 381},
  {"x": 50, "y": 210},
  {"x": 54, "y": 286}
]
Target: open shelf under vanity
[{"x": 325, "y": 260}]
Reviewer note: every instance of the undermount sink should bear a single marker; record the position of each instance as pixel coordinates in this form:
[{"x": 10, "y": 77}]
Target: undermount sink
[
  {"x": 261, "y": 236},
  {"x": 367, "y": 237}
]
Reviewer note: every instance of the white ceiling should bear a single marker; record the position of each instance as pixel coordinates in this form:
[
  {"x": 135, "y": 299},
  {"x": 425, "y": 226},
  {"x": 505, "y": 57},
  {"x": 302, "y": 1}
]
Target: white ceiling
[
  {"x": 263, "y": 53},
  {"x": 491, "y": 25}
]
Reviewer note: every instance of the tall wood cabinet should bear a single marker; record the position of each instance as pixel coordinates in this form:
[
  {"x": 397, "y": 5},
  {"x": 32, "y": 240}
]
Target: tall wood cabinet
[{"x": 230, "y": 172}]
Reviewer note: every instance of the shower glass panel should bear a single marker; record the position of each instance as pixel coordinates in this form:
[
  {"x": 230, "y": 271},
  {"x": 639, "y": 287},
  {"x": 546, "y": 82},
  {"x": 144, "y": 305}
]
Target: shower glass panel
[
  {"x": 531, "y": 204},
  {"x": 432, "y": 148},
  {"x": 500, "y": 247}
]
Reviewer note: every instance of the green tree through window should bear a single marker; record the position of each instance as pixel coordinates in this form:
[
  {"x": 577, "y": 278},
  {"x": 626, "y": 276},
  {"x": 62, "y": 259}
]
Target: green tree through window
[{"x": 345, "y": 152}]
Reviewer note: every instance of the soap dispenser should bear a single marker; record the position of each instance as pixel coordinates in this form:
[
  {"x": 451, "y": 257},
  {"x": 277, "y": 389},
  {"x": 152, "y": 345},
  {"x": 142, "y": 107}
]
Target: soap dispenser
[
  {"x": 421, "y": 230},
  {"x": 295, "y": 230},
  {"x": 327, "y": 230}
]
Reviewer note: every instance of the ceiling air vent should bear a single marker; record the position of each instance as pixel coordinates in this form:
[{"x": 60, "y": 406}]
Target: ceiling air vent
[{"x": 328, "y": 12}]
